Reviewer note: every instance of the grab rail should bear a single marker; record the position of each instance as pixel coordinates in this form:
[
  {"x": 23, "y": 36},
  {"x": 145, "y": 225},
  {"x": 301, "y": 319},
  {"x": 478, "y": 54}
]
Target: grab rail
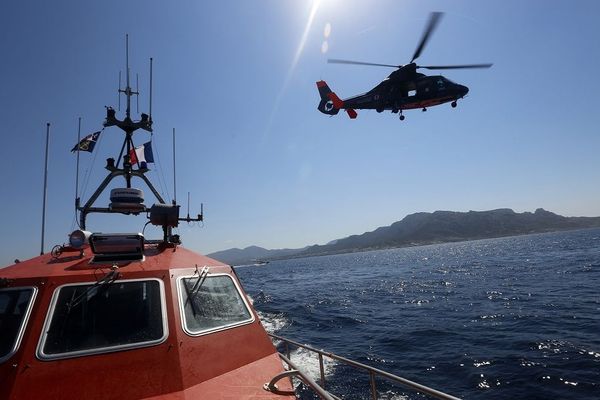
[
  {"x": 308, "y": 381},
  {"x": 373, "y": 372}
]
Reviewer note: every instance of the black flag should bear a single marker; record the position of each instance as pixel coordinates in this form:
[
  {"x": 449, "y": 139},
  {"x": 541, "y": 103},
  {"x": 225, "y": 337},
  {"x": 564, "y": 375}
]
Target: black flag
[{"x": 87, "y": 143}]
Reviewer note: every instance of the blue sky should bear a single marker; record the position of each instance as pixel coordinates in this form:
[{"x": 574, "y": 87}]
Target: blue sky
[{"x": 236, "y": 79}]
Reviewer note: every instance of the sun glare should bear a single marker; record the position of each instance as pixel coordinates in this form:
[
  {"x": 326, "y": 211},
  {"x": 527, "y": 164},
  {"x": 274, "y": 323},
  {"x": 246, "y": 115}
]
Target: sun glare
[
  {"x": 297, "y": 55},
  {"x": 300, "y": 49}
]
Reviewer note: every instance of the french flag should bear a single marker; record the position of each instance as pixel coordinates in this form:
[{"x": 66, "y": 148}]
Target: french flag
[{"x": 141, "y": 154}]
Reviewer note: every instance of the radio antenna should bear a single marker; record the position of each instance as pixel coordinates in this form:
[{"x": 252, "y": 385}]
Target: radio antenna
[
  {"x": 45, "y": 186},
  {"x": 77, "y": 167},
  {"x": 137, "y": 89},
  {"x": 128, "y": 89},
  {"x": 174, "y": 172},
  {"x": 150, "y": 117},
  {"x": 119, "y": 91}
]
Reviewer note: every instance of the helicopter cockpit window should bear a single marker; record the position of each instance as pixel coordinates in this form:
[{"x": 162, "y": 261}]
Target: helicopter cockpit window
[
  {"x": 88, "y": 318},
  {"x": 15, "y": 307},
  {"x": 211, "y": 303}
]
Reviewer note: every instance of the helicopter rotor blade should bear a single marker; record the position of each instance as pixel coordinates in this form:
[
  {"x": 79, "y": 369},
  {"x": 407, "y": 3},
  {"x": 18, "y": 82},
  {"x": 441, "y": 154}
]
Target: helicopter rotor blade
[
  {"x": 466, "y": 66},
  {"x": 434, "y": 20},
  {"x": 337, "y": 61}
]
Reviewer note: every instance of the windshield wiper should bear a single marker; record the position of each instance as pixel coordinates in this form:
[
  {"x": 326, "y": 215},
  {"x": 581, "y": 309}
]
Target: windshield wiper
[
  {"x": 93, "y": 290},
  {"x": 191, "y": 294}
]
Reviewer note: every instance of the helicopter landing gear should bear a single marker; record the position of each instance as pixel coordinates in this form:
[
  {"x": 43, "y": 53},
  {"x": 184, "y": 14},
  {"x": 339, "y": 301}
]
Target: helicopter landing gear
[
  {"x": 453, "y": 104},
  {"x": 401, "y": 116},
  {"x": 424, "y": 109},
  {"x": 379, "y": 110}
]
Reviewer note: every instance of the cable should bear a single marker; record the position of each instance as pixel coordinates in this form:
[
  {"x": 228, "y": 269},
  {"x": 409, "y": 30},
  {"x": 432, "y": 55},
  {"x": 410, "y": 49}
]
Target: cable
[
  {"x": 161, "y": 173},
  {"x": 144, "y": 228},
  {"x": 89, "y": 171}
]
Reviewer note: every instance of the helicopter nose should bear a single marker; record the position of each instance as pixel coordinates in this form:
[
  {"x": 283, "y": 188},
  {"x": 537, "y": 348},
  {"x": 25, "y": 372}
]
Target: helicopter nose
[{"x": 463, "y": 90}]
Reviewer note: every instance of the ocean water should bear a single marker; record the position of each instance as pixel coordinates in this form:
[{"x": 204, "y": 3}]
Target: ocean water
[{"x": 508, "y": 318}]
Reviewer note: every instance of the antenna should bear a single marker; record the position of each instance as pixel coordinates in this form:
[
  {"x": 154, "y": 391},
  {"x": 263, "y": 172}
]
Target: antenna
[
  {"x": 119, "y": 91},
  {"x": 127, "y": 89},
  {"x": 128, "y": 92},
  {"x": 150, "y": 117},
  {"x": 45, "y": 187},
  {"x": 137, "y": 89},
  {"x": 174, "y": 172},
  {"x": 77, "y": 167},
  {"x": 127, "y": 57}
]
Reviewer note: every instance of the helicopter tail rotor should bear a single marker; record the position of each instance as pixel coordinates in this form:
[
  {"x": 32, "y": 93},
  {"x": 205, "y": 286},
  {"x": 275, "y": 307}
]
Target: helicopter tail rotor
[{"x": 330, "y": 103}]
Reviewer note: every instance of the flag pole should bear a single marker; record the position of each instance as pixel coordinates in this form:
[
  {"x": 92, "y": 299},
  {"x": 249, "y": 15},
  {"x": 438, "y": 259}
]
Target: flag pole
[
  {"x": 77, "y": 168},
  {"x": 45, "y": 187}
]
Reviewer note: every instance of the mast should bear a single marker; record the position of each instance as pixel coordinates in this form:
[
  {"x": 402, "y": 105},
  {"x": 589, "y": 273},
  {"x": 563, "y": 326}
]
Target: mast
[
  {"x": 128, "y": 126},
  {"x": 160, "y": 214}
]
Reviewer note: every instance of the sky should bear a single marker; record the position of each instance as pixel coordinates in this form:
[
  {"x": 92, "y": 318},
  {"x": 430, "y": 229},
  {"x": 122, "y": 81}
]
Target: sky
[{"x": 236, "y": 80}]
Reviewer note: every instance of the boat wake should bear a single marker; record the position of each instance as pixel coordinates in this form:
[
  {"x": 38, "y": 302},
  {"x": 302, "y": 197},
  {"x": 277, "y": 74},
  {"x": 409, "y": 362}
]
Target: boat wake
[
  {"x": 273, "y": 323},
  {"x": 306, "y": 360}
]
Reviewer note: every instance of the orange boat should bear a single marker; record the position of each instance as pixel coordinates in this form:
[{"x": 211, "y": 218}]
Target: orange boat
[{"x": 118, "y": 316}]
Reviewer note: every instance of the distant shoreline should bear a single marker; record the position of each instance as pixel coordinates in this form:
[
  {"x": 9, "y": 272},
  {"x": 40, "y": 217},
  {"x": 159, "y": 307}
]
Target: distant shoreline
[
  {"x": 433, "y": 244},
  {"x": 421, "y": 229}
]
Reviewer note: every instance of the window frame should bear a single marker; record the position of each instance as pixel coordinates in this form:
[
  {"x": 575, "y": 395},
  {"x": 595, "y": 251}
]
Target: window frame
[
  {"x": 24, "y": 322},
  {"x": 208, "y": 331},
  {"x": 100, "y": 350}
]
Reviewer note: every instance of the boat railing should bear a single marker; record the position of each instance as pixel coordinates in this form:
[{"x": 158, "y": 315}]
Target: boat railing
[{"x": 319, "y": 388}]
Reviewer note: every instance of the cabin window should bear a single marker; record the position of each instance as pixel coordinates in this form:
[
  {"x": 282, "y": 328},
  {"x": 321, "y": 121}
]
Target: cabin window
[
  {"x": 89, "y": 318},
  {"x": 211, "y": 303},
  {"x": 15, "y": 307}
]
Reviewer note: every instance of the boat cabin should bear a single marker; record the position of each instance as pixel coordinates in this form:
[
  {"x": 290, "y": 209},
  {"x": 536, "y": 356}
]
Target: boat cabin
[{"x": 172, "y": 324}]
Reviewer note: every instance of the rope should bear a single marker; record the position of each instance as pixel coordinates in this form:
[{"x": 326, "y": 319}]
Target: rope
[{"x": 86, "y": 179}]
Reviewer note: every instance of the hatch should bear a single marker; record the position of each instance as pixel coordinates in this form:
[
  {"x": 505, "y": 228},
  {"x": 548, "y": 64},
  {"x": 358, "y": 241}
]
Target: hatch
[{"x": 114, "y": 247}]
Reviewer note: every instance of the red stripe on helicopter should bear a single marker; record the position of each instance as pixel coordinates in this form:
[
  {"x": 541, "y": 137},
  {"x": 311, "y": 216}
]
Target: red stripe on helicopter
[{"x": 337, "y": 102}]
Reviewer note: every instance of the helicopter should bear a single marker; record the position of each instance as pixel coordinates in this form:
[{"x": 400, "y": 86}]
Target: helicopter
[{"x": 403, "y": 89}]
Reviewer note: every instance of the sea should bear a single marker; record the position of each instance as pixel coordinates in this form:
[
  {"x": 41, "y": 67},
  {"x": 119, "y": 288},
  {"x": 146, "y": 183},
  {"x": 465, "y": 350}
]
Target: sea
[{"x": 509, "y": 318}]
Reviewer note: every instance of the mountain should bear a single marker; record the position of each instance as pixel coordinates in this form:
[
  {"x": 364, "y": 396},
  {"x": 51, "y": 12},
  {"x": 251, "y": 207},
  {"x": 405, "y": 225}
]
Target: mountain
[
  {"x": 427, "y": 228},
  {"x": 250, "y": 254}
]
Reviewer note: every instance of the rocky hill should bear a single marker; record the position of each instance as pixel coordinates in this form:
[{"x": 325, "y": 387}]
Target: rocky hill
[{"x": 427, "y": 228}]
